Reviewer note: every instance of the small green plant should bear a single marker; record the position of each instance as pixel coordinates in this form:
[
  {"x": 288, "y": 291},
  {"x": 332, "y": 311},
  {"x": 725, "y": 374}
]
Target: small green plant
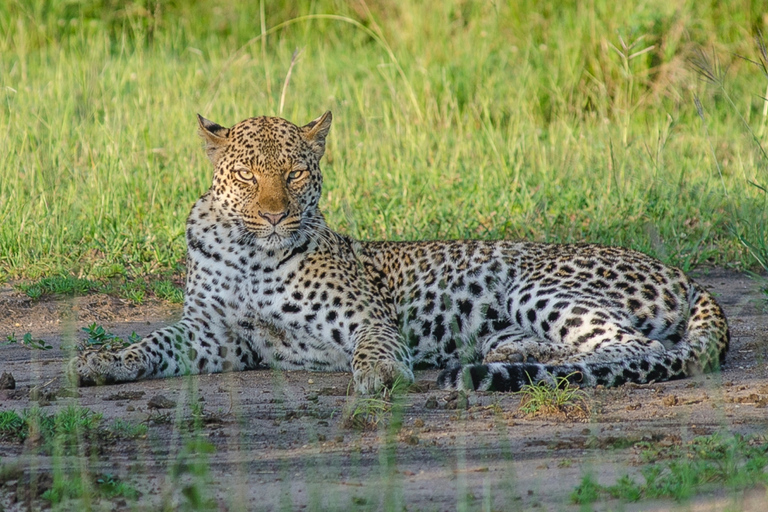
[
  {"x": 101, "y": 338},
  {"x": 562, "y": 398},
  {"x": 134, "y": 291},
  {"x": 588, "y": 491},
  {"x": 12, "y": 426},
  {"x": 110, "y": 486},
  {"x": 72, "y": 419},
  {"x": 27, "y": 341},
  {"x": 625, "y": 488},
  {"x": 166, "y": 290}
]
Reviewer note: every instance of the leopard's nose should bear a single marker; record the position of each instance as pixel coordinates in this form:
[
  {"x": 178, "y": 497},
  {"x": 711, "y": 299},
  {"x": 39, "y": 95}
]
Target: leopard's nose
[{"x": 273, "y": 218}]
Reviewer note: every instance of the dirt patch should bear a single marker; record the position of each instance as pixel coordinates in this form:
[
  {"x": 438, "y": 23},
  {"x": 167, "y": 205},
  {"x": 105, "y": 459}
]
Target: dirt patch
[{"x": 268, "y": 440}]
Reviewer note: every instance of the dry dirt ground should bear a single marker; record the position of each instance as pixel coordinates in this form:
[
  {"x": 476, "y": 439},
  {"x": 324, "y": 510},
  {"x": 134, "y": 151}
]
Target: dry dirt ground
[{"x": 279, "y": 440}]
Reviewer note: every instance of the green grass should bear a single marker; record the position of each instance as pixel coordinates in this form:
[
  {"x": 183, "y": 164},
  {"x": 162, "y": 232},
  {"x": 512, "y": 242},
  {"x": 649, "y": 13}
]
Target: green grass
[
  {"x": 135, "y": 290},
  {"x": 73, "y": 487},
  {"x": 708, "y": 463},
  {"x": 126, "y": 429},
  {"x": 72, "y": 430},
  {"x": 67, "y": 427},
  {"x": 59, "y": 285},
  {"x": 545, "y": 121}
]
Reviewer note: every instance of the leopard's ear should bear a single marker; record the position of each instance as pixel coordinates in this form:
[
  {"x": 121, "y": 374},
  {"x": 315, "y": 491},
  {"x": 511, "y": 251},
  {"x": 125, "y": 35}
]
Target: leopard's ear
[
  {"x": 316, "y": 131},
  {"x": 214, "y": 135}
]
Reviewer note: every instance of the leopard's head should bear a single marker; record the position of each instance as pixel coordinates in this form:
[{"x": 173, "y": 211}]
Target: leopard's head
[{"x": 267, "y": 179}]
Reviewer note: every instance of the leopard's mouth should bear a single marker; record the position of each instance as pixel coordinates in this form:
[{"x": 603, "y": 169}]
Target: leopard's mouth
[
  {"x": 266, "y": 236},
  {"x": 267, "y": 231},
  {"x": 274, "y": 240}
]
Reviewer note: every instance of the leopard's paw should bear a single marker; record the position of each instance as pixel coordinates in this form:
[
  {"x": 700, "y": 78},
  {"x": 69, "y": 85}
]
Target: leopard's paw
[
  {"x": 381, "y": 375},
  {"x": 98, "y": 367}
]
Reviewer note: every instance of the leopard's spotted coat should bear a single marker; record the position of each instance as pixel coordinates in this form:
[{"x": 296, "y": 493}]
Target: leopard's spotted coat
[{"x": 269, "y": 283}]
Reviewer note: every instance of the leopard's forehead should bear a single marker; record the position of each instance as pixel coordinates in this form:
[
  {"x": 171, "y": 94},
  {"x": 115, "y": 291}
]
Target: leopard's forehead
[
  {"x": 267, "y": 142},
  {"x": 267, "y": 132}
]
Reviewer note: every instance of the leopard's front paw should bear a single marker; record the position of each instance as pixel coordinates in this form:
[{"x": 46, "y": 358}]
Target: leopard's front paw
[
  {"x": 98, "y": 367},
  {"x": 380, "y": 375}
]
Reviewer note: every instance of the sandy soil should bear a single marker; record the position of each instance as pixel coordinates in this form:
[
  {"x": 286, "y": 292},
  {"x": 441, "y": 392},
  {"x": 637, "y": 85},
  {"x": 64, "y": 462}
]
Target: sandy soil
[{"x": 280, "y": 441}]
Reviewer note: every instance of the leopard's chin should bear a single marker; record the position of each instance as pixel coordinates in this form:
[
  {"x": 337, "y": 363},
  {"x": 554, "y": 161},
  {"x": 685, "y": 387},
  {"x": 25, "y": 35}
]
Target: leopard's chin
[{"x": 257, "y": 239}]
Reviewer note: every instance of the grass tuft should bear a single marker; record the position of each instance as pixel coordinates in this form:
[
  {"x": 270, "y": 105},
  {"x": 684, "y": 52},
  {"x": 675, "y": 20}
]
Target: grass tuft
[
  {"x": 365, "y": 413},
  {"x": 561, "y": 400}
]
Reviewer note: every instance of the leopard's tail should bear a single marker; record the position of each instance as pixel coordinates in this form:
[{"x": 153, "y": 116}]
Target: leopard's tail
[{"x": 701, "y": 350}]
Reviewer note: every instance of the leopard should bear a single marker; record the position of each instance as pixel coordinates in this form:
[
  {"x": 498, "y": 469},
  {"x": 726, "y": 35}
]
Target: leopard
[{"x": 270, "y": 284}]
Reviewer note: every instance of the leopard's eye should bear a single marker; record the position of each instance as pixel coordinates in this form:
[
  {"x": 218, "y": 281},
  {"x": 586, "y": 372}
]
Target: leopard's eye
[
  {"x": 297, "y": 174},
  {"x": 244, "y": 174}
]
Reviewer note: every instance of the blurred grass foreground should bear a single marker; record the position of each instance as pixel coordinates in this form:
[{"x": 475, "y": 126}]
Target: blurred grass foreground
[{"x": 635, "y": 124}]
